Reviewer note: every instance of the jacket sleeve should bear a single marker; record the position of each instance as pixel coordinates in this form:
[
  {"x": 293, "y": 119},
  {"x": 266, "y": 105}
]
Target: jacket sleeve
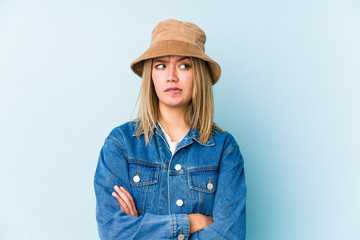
[
  {"x": 113, "y": 223},
  {"x": 230, "y": 200}
]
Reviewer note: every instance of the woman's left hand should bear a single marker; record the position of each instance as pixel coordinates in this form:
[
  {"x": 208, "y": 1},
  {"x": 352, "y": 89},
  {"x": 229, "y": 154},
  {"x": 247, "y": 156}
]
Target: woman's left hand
[{"x": 125, "y": 201}]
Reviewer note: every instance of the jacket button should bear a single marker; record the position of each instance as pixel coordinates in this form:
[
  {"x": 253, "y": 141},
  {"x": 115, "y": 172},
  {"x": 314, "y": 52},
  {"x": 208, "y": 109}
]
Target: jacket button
[
  {"x": 177, "y": 167},
  {"x": 179, "y": 202},
  {"x": 210, "y": 186},
  {"x": 181, "y": 235},
  {"x": 136, "y": 179}
]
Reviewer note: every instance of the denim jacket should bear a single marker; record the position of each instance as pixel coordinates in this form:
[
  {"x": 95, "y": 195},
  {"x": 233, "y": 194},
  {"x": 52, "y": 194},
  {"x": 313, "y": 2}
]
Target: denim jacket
[{"x": 199, "y": 178}]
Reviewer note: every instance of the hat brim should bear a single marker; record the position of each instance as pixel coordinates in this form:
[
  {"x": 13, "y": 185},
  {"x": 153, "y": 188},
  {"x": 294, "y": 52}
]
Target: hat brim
[{"x": 178, "y": 48}]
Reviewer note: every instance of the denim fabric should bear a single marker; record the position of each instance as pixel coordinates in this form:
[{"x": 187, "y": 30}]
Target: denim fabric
[{"x": 199, "y": 178}]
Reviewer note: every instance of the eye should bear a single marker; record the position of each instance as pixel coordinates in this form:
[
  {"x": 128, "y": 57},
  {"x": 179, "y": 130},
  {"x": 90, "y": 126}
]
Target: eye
[
  {"x": 160, "y": 66},
  {"x": 185, "y": 66}
]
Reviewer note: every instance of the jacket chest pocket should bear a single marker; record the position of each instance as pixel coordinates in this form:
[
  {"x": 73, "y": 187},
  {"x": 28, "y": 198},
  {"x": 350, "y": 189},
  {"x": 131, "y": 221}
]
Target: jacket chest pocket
[
  {"x": 143, "y": 179},
  {"x": 203, "y": 184}
]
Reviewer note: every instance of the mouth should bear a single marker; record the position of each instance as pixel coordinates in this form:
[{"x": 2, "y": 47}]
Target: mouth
[{"x": 173, "y": 90}]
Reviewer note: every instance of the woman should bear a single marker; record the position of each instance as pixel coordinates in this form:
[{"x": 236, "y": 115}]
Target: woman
[{"x": 172, "y": 173}]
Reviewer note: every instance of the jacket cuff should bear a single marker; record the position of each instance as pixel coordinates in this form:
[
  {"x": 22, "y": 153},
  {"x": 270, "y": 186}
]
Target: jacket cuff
[{"x": 180, "y": 226}]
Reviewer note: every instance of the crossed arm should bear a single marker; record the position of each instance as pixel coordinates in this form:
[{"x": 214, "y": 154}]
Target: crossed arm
[
  {"x": 120, "y": 219},
  {"x": 126, "y": 202}
]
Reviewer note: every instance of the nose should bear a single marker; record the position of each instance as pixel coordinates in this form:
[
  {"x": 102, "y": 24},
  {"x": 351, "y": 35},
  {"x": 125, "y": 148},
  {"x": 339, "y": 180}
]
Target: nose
[{"x": 172, "y": 74}]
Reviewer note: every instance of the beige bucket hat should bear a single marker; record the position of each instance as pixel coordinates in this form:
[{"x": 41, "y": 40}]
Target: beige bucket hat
[{"x": 173, "y": 37}]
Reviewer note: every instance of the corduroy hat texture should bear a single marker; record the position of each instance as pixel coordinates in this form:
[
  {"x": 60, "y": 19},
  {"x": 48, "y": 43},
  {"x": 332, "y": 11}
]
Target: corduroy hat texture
[{"x": 173, "y": 37}]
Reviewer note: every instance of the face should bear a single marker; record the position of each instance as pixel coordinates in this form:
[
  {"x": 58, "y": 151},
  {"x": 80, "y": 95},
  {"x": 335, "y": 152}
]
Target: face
[{"x": 173, "y": 80}]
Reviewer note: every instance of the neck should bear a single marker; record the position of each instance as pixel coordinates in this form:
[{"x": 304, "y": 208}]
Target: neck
[{"x": 172, "y": 120}]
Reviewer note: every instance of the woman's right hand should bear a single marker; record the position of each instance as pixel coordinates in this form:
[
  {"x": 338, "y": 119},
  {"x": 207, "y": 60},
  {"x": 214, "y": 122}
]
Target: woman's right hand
[
  {"x": 125, "y": 200},
  {"x": 199, "y": 222}
]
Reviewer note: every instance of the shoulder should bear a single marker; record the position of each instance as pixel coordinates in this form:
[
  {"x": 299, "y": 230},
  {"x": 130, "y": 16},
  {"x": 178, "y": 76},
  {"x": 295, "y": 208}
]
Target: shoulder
[
  {"x": 223, "y": 136},
  {"x": 124, "y": 131},
  {"x": 225, "y": 139},
  {"x": 230, "y": 153},
  {"x": 121, "y": 137}
]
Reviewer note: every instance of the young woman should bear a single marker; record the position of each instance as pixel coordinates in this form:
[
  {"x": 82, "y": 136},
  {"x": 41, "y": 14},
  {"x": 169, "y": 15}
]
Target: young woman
[{"x": 172, "y": 173}]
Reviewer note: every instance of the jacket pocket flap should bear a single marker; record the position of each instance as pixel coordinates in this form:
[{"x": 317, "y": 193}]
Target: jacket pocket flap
[
  {"x": 204, "y": 180},
  {"x": 141, "y": 174}
]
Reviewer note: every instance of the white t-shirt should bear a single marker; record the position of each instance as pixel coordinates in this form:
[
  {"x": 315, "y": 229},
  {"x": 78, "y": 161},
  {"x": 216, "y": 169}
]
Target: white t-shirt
[{"x": 173, "y": 145}]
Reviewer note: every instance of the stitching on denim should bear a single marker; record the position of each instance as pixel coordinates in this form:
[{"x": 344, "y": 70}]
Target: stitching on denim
[
  {"x": 177, "y": 173},
  {"x": 204, "y": 190},
  {"x": 160, "y": 193},
  {"x": 163, "y": 138},
  {"x": 144, "y": 192},
  {"x": 143, "y": 196},
  {"x": 200, "y": 189},
  {"x": 201, "y": 200},
  {"x": 200, "y": 169},
  {"x": 172, "y": 226},
  {"x": 142, "y": 162},
  {"x": 191, "y": 192},
  {"x": 118, "y": 144},
  {"x": 153, "y": 195},
  {"x": 183, "y": 146},
  {"x": 149, "y": 182},
  {"x": 144, "y": 183},
  {"x": 185, "y": 202},
  {"x": 210, "y": 144},
  {"x": 230, "y": 149}
]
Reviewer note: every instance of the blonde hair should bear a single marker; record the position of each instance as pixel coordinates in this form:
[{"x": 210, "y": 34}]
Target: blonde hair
[{"x": 199, "y": 114}]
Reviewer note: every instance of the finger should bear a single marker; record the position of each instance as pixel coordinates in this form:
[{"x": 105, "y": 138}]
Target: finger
[
  {"x": 122, "y": 200},
  {"x": 127, "y": 193},
  {"x": 118, "y": 199},
  {"x": 123, "y": 206},
  {"x": 129, "y": 203},
  {"x": 131, "y": 200},
  {"x": 126, "y": 199},
  {"x": 122, "y": 209}
]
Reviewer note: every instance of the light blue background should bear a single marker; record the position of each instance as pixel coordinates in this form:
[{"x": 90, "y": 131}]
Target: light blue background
[{"x": 289, "y": 93}]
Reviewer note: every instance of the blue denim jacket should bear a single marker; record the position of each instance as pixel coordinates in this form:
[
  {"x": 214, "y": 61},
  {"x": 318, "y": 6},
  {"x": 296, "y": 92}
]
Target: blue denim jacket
[{"x": 199, "y": 178}]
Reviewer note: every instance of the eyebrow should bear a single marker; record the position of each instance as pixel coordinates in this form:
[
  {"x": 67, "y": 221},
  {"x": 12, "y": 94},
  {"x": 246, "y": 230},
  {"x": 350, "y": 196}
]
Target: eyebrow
[{"x": 164, "y": 61}]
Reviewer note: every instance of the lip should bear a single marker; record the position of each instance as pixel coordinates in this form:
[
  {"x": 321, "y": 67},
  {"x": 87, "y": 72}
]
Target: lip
[{"x": 173, "y": 90}]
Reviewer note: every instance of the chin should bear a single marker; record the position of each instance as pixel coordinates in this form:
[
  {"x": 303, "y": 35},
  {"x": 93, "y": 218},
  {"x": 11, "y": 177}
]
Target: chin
[{"x": 174, "y": 105}]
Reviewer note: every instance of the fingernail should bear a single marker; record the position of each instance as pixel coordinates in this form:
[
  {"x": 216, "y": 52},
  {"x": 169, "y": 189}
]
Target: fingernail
[
  {"x": 114, "y": 194},
  {"x": 116, "y": 187},
  {"x": 122, "y": 188}
]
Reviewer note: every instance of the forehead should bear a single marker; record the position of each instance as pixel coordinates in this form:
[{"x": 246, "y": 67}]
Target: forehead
[{"x": 171, "y": 58}]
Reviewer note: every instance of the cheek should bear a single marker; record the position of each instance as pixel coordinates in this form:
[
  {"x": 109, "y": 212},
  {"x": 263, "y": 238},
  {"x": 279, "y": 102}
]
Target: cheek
[
  {"x": 190, "y": 83},
  {"x": 155, "y": 80},
  {"x": 157, "y": 85}
]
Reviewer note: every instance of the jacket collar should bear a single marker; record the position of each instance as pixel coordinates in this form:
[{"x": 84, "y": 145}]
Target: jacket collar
[
  {"x": 192, "y": 134},
  {"x": 195, "y": 135}
]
